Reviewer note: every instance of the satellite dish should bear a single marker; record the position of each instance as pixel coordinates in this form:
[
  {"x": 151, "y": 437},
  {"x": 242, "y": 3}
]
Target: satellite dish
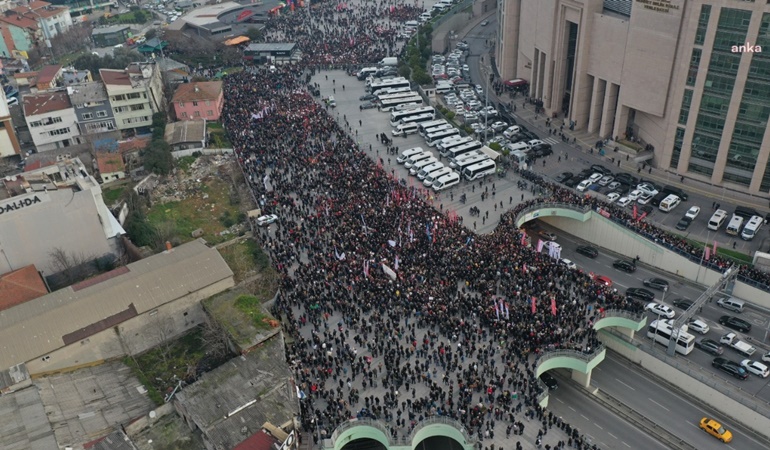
[{"x": 153, "y": 414}]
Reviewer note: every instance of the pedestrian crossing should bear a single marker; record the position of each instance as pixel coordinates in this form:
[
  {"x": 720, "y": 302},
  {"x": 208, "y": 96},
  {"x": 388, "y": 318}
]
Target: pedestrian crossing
[{"x": 550, "y": 140}]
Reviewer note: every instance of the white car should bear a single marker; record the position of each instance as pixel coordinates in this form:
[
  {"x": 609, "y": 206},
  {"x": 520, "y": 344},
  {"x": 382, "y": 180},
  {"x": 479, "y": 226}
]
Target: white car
[
  {"x": 624, "y": 201},
  {"x": 698, "y": 325},
  {"x": 584, "y": 185},
  {"x": 634, "y": 195},
  {"x": 693, "y": 212},
  {"x": 595, "y": 177},
  {"x": 648, "y": 188},
  {"x": 499, "y": 126},
  {"x": 757, "y": 368},
  {"x": 661, "y": 310},
  {"x": 568, "y": 263},
  {"x": 535, "y": 142},
  {"x": 613, "y": 196},
  {"x": 479, "y": 89},
  {"x": 511, "y": 131},
  {"x": 644, "y": 198},
  {"x": 766, "y": 357},
  {"x": 607, "y": 179},
  {"x": 264, "y": 221}
]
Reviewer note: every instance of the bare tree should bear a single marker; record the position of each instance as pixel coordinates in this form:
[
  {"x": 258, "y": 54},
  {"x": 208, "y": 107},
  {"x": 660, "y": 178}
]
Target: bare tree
[
  {"x": 215, "y": 338},
  {"x": 71, "y": 40},
  {"x": 162, "y": 329},
  {"x": 68, "y": 264}
]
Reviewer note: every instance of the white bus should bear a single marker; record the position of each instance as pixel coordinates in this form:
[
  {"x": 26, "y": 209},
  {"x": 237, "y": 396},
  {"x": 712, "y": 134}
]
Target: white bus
[
  {"x": 434, "y": 138},
  {"x": 389, "y": 91},
  {"x": 433, "y": 176},
  {"x": 480, "y": 170},
  {"x": 427, "y": 170},
  {"x": 456, "y": 141},
  {"x": 382, "y": 97},
  {"x": 437, "y": 128},
  {"x": 431, "y": 124},
  {"x": 392, "y": 104},
  {"x": 399, "y": 82},
  {"x": 661, "y": 332},
  {"x": 461, "y": 164},
  {"x": 419, "y": 118},
  {"x": 396, "y": 116},
  {"x": 455, "y": 151}
]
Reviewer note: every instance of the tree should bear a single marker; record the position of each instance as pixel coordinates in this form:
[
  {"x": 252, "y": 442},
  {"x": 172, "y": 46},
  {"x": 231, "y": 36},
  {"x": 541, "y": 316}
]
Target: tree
[
  {"x": 120, "y": 59},
  {"x": 157, "y": 157},
  {"x": 151, "y": 33},
  {"x": 142, "y": 233},
  {"x": 254, "y": 33},
  {"x": 215, "y": 338},
  {"x": 71, "y": 41},
  {"x": 67, "y": 264}
]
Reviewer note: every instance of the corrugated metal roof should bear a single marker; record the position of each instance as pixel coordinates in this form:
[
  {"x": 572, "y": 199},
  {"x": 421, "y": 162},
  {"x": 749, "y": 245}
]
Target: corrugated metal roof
[
  {"x": 37, "y": 327},
  {"x": 25, "y": 423},
  {"x": 619, "y": 6}
]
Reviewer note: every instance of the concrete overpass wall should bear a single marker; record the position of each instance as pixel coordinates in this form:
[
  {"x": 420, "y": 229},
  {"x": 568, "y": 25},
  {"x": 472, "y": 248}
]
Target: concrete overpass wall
[
  {"x": 693, "y": 381},
  {"x": 607, "y": 234}
]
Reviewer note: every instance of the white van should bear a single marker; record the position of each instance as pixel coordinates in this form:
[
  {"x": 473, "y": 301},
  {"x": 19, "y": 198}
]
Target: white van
[
  {"x": 412, "y": 24},
  {"x": 717, "y": 219},
  {"x": 447, "y": 2},
  {"x": 440, "y": 7},
  {"x": 418, "y": 166},
  {"x": 443, "y": 88},
  {"x": 366, "y": 72},
  {"x": 751, "y": 228},
  {"x": 433, "y": 176},
  {"x": 405, "y": 129},
  {"x": 732, "y": 304},
  {"x": 522, "y": 146},
  {"x": 446, "y": 181},
  {"x": 408, "y": 153},
  {"x": 669, "y": 203},
  {"x": 734, "y": 226},
  {"x": 424, "y": 17},
  {"x": 427, "y": 170},
  {"x": 417, "y": 158}
]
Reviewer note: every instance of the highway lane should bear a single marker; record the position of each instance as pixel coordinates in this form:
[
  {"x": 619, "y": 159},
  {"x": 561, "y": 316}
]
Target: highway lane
[
  {"x": 670, "y": 409},
  {"x": 604, "y": 428}
]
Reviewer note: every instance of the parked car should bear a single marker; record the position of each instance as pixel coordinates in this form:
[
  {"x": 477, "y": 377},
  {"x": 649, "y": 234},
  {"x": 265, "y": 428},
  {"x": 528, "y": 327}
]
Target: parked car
[
  {"x": 693, "y": 212},
  {"x": 368, "y": 105},
  {"x": 656, "y": 283},
  {"x": 684, "y": 223},
  {"x": 583, "y": 185},
  {"x": 601, "y": 169},
  {"x": 715, "y": 429},
  {"x": 730, "y": 368},
  {"x": 605, "y": 180},
  {"x": 710, "y": 346},
  {"x": 641, "y": 294},
  {"x": 613, "y": 196},
  {"x": 367, "y": 97},
  {"x": 563, "y": 176},
  {"x": 625, "y": 266},
  {"x": 623, "y": 202},
  {"x": 587, "y": 250},
  {"x": 735, "y": 323}
]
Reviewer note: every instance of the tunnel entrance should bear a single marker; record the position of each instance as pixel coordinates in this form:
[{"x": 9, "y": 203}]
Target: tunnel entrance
[
  {"x": 364, "y": 444},
  {"x": 438, "y": 443}
]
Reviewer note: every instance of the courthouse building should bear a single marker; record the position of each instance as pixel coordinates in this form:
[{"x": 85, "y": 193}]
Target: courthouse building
[{"x": 688, "y": 79}]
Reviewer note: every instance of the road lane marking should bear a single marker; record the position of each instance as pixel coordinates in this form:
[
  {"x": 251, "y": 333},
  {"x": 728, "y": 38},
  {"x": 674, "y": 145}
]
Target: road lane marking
[
  {"x": 626, "y": 444},
  {"x": 624, "y": 384},
  {"x": 558, "y": 400},
  {"x": 599, "y": 426},
  {"x": 612, "y": 435},
  {"x": 658, "y": 404},
  {"x": 573, "y": 409},
  {"x": 586, "y": 418}
]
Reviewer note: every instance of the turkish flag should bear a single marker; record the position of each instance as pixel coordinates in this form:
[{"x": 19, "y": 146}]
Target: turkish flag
[{"x": 534, "y": 305}]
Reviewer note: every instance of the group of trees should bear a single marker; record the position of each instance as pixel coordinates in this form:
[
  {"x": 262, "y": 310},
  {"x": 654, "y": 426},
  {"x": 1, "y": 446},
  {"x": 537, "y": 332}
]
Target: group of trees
[
  {"x": 197, "y": 51},
  {"x": 418, "y": 53},
  {"x": 120, "y": 59},
  {"x": 157, "y": 156}
]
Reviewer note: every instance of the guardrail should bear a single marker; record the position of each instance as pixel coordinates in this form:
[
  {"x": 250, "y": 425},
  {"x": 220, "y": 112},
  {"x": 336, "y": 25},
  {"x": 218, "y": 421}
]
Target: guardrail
[
  {"x": 358, "y": 422},
  {"x": 408, "y": 439},
  {"x": 578, "y": 354},
  {"x": 635, "y": 316}
]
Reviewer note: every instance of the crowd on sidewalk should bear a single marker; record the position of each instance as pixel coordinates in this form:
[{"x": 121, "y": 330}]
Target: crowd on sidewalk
[{"x": 398, "y": 311}]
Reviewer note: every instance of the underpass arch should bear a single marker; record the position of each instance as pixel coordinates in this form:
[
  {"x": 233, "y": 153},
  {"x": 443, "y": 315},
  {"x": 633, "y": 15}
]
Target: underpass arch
[
  {"x": 355, "y": 430},
  {"x": 445, "y": 429}
]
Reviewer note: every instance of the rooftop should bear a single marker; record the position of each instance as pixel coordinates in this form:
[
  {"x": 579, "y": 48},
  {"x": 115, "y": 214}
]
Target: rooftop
[
  {"x": 74, "y": 76},
  {"x": 83, "y": 93},
  {"x": 198, "y": 91},
  {"x": 20, "y": 286},
  {"x": 271, "y": 47},
  {"x": 233, "y": 401},
  {"x": 38, "y": 8},
  {"x": 209, "y": 14},
  {"x": 115, "y": 77},
  {"x": 45, "y": 103},
  {"x": 110, "y": 163},
  {"x": 185, "y": 131},
  {"x": 110, "y": 29},
  {"x": 47, "y": 323},
  {"x": 48, "y": 73},
  {"x": 25, "y": 422}
]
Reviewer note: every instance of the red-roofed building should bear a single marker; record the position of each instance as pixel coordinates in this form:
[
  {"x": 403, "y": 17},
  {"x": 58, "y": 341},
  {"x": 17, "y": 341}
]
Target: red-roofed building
[
  {"x": 199, "y": 100},
  {"x": 50, "y": 19},
  {"x": 258, "y": 441},
  {"x": 111, "y": 167},
  {"x": 48, "y": 77},
  {"x": 51, "y": 120},
  {"x": 26, "y": 78},
  {"x": 21, "y": 286}
]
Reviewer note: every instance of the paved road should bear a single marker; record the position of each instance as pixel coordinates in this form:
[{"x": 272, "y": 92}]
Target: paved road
[{"x": 669, "y": 409}]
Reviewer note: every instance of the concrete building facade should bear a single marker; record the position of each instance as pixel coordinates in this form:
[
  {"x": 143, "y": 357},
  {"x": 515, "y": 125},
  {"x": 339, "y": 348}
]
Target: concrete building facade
[
  {"x": 92, "y": 108},
  {"x": 9, "y": 143},
  {"x": 51, "y": 120},
  {"x": 135, "y": 94},
  {"x": 683, "y": 79}
]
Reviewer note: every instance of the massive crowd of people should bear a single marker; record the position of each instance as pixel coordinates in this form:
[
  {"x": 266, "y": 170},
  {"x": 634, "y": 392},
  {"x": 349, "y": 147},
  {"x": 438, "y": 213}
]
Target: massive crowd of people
[{"x": 381, "y": 290}]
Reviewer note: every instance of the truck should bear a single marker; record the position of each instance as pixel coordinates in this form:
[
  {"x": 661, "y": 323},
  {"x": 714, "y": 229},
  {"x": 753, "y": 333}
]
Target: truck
[
  {"x": 389, "y": 61},
  {"x": 735, "y": 342}
]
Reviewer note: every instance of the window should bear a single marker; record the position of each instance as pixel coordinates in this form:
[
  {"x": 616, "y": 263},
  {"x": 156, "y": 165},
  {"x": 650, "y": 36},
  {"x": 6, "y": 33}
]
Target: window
[
  {"x": 209, "y": 113},
  {"x": 195, "y": 103},
  {"x": 87, "y": 116},
  {"x": 208, "y": 102},
  {"x": 694, "y": 63},
  {"x": 59, "y": 132},
  {"x": 181, "y": 104},
  {"x": 138, "y": 107},
  {"x": 101, "y": 113},
  {"x": 703, "y": 23},
  {"x": 677, "y": 147},
  {"x": 684, "y": 113},
  {"x": 197, "y": 113},
  {"x": 184, "y": 114}
]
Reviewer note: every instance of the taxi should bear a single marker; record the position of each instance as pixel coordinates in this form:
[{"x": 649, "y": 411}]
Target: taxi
[{"x": 715, "y": 429}]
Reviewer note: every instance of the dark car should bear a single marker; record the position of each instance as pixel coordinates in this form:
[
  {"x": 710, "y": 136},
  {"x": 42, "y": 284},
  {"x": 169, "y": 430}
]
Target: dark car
[
  {"x": 735, "y": 323},
  {"x": 572, "y": 182},
  {"x": 601, "y": 169},
  {"x": 710, "y": 346},
  {"x": 641, "y": 294},
  {"x": 587, "y": 250},
  {"x": 730, "y": 367},
  {"x": 627, "y": 178},
  {"x": 625, "y": 266},
  {"x": 682, "y": 303},
  {"x": 563, "y": 176},
  {"x": 366, "y": 97},
  {"x": 368, "y": 105},
  {"x": 646, "y": 209},
  {"x": 541, "y": 150},
  {"x": 549, "y": 381},
  {"x": 683, "y": 224},
  {"x": 656, "y": 283}
]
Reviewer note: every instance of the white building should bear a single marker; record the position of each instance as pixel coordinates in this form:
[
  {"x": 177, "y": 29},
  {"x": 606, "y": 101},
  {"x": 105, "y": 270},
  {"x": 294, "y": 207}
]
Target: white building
[
  {"x": 51, "y": 19},
  {"x": 51, "y": 120},
  {"x": 135, "y": 94}
]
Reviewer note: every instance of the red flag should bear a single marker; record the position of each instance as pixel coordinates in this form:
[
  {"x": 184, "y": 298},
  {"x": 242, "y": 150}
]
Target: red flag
[
  {"x": 715, "y": 248},
  {"x": 641, "y": 217},
  {"x": 707, "y": 253},
  {"x": 553, "y": 305},
  {"x": 523, "y": 239},
  {"x": 634, "y": 211},
  {"x": 534, "y": 305}
]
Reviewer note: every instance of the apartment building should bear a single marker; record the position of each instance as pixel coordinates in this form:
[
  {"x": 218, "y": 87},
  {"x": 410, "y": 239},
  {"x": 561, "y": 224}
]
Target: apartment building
[
  {"x": 51, "y": 120},
  {"x": 135, "y": 94},
  {"x": 199, "y": 100},
  {"x": 92, "y": 108}
]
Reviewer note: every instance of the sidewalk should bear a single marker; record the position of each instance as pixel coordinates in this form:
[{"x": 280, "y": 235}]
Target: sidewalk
[{"x": 585, "y": 141}]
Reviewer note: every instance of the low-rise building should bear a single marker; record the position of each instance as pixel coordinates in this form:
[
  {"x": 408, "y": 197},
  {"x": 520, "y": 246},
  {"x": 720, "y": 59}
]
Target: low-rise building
[
  {"x": 135, "y": 94},
  {"x": 111, "y": 167},
  {"x": 9, "y": 143},
  {"x": 51, "y": 19},
  {"x": 49, "y": 77},
  {"x": 275, "y": 53},
  {"x": 51, "y": 120},
  {"x": 185, "y": 135},
  {"x": 17, "y": 37},
  {"x": 71, "y": 75},
  {"x": 199, "y": 100},
  {"x": 92, "y": 108},
  {"x": 110, "y": 35}
]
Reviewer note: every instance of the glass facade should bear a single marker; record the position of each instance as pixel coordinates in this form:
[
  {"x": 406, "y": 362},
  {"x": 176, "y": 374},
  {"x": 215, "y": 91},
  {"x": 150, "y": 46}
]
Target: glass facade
[
  {"x": 684, "y": 112},
  {"x": 694, "y": 64},
  {"x": 754, "y": 110},
  {"x": 718, "y": 89},
  {"x": 677, "y": 147},
  {"x": 703, "y": 23}
]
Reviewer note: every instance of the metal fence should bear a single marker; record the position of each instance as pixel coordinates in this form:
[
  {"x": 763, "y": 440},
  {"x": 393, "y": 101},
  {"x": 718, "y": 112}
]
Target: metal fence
[{"x": 404, "y": 440}]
